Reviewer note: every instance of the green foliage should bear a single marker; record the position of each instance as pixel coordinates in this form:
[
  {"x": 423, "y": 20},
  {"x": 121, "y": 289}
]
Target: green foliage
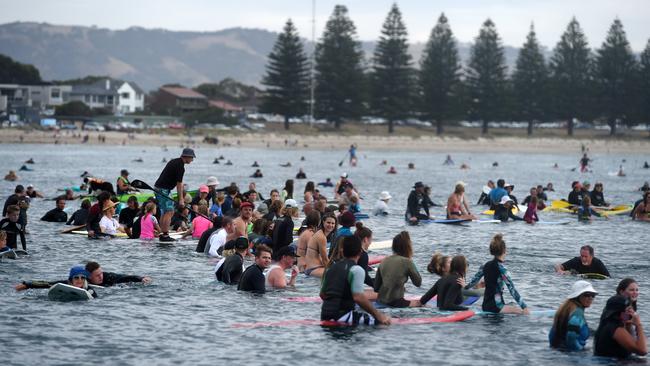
[
  {"x": 287, "y": 77},
  {"x": 86, "y": 80},
  {"x": 486, "y": 75},
  {"x": 12, "y": 72},
  {"x": 615, "y": 73},
  {"x": 643, "y": 101},
  {"x": 74, "y": 108},
  {"x": 339, "y": 73},
  {"x": 208, "y": 115},
  {"x": 530, "y": 81},
  {"x": 230, "y": 90},
  {"x": 392, "y": 74},
  {"x": 571, "y": 66},
  {"x": 439, "y": 77}
]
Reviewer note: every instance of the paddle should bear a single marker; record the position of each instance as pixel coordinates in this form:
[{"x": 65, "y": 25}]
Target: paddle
[
  {"x": 142, "y": 185},
  {"x": 344, "y": 156}
]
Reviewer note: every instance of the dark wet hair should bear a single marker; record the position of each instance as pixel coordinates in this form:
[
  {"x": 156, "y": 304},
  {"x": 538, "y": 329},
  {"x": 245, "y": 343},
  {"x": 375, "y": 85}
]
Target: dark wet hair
[
  {"x": 497, "y": 245},
  {"x": 458, "y": 265},
  {"x": 310, "y": 187},
  {"x": 351, "y": 246},
  {"x": 402, "y": 245},
  {"x": 133, "y": 199},
  {"x": 92, "y": 266},
  {"x": 362, "y": 232}
]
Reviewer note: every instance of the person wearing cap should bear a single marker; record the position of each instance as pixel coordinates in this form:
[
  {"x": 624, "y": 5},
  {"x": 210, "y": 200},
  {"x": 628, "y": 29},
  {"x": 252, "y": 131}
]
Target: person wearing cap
[
  {"x": 240, "y": 223},
  {"x": 123, "y": 185},
  {"x": 381, "y": 207},
  {"x": 253, "y": 279},
  {"x": 77, "y": 277},
  {"x": 456, "y": 204},
  {"x": 56, "y": 214},
  {"x": 575, "y": 196},
  {"x": 170, "y": 177},
  {"x": 496, "y": 193},
  {"x": 612, "y": 339},
  {"x": 286, "y": 259},
  {"x": 503, "y": 211},
  {"x": 32, "y": 193},
  {"x": 283, "y": 229},
  {"x": 509, "y": 188},
  {"x": 342, "y": 289},
  {"x": 204, "y": 192},
  {"x": 417, "y": 203},
  {"x": 585, "y": 263},
  {"x": 570, "y": 331},
  {"x": 229, "y": 269},
  {"x": 108, "y": 225}
]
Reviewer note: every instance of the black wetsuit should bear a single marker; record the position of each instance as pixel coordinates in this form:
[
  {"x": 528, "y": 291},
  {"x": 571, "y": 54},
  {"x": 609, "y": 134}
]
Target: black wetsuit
[
  {"x": 230, "y": 271},
  {"x": 11, "y": 200},
  {"x": 417, "y": 202},
  {"x": 363, "y": 262},
  {"x": 282, "y": 233},
  {"x": 596, "y": 266},
  {"x": 79, "y": 217},
  {"x": 604, "y": 342},
  {"x": 104, "y": 186},
  {"x": 575, "y": 198},
  {"x": 502, "y": 213},
  {"x": 110, "y": 279},
  {"x": 13, "y": 230},
  {"x": 253, "y": 280},
  {"x": 484, "y": 200},
  {"x": 127, "y": 215},
  {"x": 203, "y": 240},
  {"x": 336, "y": 290},
  {"x": 597, "y": 198},
  {"x": 450, "y": 293},
  {"x": 55, "y": 215}
]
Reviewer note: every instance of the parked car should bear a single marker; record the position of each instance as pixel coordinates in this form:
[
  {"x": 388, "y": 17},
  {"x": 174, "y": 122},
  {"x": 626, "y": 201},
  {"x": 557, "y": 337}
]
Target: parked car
[{"x": 94, "y": 126}]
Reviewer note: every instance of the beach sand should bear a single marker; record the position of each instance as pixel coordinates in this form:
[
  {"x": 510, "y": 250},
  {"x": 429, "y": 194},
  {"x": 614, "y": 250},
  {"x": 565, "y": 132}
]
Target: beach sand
[{"x": 331, "y": 141}]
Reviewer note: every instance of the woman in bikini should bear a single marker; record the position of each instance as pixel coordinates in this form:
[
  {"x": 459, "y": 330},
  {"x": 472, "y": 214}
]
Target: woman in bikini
[
  {"x": 311, "y": 221},
  {"x": 316, "y": 255},
  {"x": 456, "y": 206}
]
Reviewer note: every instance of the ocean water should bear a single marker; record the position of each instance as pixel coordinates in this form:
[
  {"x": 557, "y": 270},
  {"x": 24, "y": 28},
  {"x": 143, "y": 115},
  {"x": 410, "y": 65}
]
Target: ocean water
[{"x": 186, "y": 317}]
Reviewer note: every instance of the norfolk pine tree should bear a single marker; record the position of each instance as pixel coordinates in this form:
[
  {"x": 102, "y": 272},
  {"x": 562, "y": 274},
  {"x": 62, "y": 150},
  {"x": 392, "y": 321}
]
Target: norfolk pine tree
[
  {"x": 287, "y": 76},
  {"x": 644, "y": 84}
]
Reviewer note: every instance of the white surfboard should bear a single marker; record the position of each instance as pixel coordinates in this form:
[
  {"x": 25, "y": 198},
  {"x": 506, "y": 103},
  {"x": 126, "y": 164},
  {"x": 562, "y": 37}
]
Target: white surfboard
[
  {"x": 65, "y": 292},
  {"x": 381, "y": 244}
]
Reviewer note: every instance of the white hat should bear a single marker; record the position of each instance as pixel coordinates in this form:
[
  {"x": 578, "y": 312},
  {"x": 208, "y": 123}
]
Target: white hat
[
  {"x": 344, "y": 175},
  {"x": 505, "y": 199},
  {"x": 384, "y": 196},
  {"x": 486, "y": 189},
  {"x": 579, "y": 288},
  {"x": 212, "y": 181},
  {"x": 290, "y": 203}
]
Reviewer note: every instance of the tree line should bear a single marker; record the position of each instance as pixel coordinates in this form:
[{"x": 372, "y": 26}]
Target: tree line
[{"x": 609, "y": 84}]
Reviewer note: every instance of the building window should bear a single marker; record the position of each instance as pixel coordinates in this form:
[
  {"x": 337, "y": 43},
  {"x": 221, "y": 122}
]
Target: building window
[
  {"x": 55, "y": 93},
  {"x": 109, "y": 100},
  {"x": 101, "y": 99},
  {"x": 125, "y": 95},
  {"x": 87, "y": 98}
]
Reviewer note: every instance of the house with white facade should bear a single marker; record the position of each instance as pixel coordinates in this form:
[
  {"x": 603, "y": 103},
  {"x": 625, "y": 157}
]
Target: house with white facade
[{"x": 130, "y": 97}]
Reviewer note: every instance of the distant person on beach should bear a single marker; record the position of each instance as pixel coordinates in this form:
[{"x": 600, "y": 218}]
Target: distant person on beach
[{"x": 170, "y": 177}]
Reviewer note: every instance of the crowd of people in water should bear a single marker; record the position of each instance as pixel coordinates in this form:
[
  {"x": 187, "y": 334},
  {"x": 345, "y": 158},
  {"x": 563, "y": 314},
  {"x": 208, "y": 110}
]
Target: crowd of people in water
[{"x": 332, "y": 244}]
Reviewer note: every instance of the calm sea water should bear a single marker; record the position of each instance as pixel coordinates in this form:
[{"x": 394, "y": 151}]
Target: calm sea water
[{"x": 185, "y": 317}]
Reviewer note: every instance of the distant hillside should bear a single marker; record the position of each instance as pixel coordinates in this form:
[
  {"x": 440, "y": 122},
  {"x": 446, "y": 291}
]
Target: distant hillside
[{"x": 152, "y": 57}]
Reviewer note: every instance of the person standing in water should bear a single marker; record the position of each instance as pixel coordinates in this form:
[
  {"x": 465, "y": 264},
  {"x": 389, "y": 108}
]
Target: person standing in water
[{"x": 170, "y": 177}]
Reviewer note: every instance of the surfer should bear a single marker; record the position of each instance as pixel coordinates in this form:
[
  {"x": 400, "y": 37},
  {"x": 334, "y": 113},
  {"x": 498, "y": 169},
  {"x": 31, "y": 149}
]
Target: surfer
[
  {"x": 612, "y": 339},
  {"x": 170, "y": 177},
  {"x": 585, "y": 263},
  {"x": 32, "y": 193},
  {"x": 620, "y": 173},
  {"x": 392, "y": 170},
  {"x": 381, "y": 207},
  {"x": 586, "y": 212},
  {"x": 340, "y": 185},
  {"x": 301, "y": 174},
  {"x": 96, "y": 184},
  {"x": 286, "y": 259},
  {"x": 496, "y": 275},
  {"x": 416, "y": 204},
  {"x": 497, "y": 192},
  {"x": 394, "y": 271},
  {"x": 253, "y": 279},
  {"x": 229, "y": 269},
  {"x": 642, "y": 210},
  {"x": 283, "y": 229},
  {"x": 353, "y": 154},
  {"x": 503, "y": 211},
  {"x": 531, "y": 211},
  {"x": 646, "y": 165},
  {"x": 342, "y": 288},
  {"x": 448, "y": 161},
  {"x": 449, "y": 287},
  {"x": 326, "y": 183},
  {"x": 14, "y": 229},
  {"x": 29, "y": 161},
  {"x": 11, "y": 176},
  {"x": 257, "y": 174},
  {"x": 123, "y": 185},
  {"x": 570, "y": 331},
  {"x": 95, "y": 275},
  {"x": 457, "y": 207},
  {"x": 484, "y": 198},
  {"x": 575, "y": 196},
  {"x": 255, "y": 164},
  {"x": 56, "y": 214}
]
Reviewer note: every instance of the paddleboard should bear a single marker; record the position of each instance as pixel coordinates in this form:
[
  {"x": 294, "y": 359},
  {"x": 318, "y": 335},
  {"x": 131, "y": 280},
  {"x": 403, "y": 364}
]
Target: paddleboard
[
  {"x": 593, "y": 276},
  {"x": 455, "y": 317},
  {"x": 176, "y": 236},
  {"x": 65, "y": 293},
  {"x": 444, "y": 221},
  {"x": 384, "y": 244}
]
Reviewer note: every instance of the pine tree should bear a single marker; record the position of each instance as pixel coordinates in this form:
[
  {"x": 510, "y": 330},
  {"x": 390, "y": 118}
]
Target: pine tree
[
  {"x": 339, "y": 73},
  {"x": 644, "y": 84},
  {"x": 529, "y": 81},
  {"x": 571, "y": 66},
  {"x": 287, "y": 76},
  {"x": 439, "y": 73},
  {"x": 392, "y": 73},
  {"x": 486, "y": 75},
  {"x": 615, "y": 74}
]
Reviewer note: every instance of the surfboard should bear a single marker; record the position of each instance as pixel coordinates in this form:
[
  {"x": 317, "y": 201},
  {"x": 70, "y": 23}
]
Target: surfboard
[
  {"x": 444, "y": 221},
  {"x": 487, "y": 221},
  {"x": 375, "y": 259},
  {"x": 455, "y": 317},
  {"x": 384, "y": 244},
  {"x": 9, "y": 254},
  {"x": 562, "y": 222},
  {"x": 360, "y": 215},
  {"x": 514, "y": 210},
  {"x": 65, "y": 293},
  {"x": 593, "y": 276},
  {"x": 176, "y": 236}
]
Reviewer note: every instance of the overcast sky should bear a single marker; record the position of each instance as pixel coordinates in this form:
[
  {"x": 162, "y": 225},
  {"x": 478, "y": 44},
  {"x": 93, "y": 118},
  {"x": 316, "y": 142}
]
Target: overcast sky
[{"x": 512, "y": 17}]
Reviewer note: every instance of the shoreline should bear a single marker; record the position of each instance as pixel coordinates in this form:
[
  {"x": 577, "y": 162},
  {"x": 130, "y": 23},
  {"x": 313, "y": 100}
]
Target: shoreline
[{"x": 328, "y": 141}]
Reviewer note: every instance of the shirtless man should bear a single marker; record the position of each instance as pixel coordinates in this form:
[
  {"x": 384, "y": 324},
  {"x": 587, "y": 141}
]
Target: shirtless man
[
  {"x": 275, "y": 277},
  {"x": 242, "y": 221}
]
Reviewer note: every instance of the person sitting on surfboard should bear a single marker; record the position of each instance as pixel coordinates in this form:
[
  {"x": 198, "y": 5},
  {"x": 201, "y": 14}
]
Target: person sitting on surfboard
[
  {"x": 342, "y": 289},
  {"x": 496, "y": 275},
  {"x": 417, "y": 203},
  {"x": 484, "y": 199},
  {"x": 449, "y": 288},
  {"x": 570, "y": 331},
  {"x": 585, "y": 212},
  {"x": 503, "y": 211},
  {"x": 575, "y": 196},
  {"x": 394, "y": 271},
  {"x": 496, "y": 193},
  {"x": 531, "y": 211},
  {"x": 585, "y": 263},
  {"x": 642, "y": 210},
  {"x": 457, "y": 207}
]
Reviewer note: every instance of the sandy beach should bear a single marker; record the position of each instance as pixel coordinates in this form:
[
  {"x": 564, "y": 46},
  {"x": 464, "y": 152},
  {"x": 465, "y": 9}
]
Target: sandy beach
[{"x": 331, "y": 141}]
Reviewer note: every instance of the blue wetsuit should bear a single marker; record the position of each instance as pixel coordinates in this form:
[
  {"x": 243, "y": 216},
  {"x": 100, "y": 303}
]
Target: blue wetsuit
[
  {"x": 496, "y": 275},
  {"x": 577, "y": 332}
]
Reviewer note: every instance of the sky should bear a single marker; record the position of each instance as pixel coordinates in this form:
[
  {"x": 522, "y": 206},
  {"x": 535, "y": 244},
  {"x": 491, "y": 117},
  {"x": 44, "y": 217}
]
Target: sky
[{"x": 512, "y": 17}]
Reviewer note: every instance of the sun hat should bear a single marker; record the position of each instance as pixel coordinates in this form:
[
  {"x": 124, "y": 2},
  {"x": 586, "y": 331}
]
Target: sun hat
[
  {"x": 290, "y": 203},
  {"x": 204, "y": 189},
  {"x": 579, "y": 288},
  {"x": 344, "y": 175},
  {"x": 111, "y": 204},
  {"x": 212, "y": 181},
  {"x": 505, "y": 199},
  {"x": 188, "y": 152},
  {"x": 384, "y": 196}
]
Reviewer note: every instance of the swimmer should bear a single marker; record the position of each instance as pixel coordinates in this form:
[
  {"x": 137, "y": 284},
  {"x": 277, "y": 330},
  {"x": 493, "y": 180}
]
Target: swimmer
[
  {"x": 215, "y": 161},
  {"x": 620, "y": 173},
  {"x": 11, "y": 176},
  {"x": 392, "y": 170},
  {"x": 464, "y": 166},
  {"x": 411, "y": 166},
  {"x": 228, "y": 162}
]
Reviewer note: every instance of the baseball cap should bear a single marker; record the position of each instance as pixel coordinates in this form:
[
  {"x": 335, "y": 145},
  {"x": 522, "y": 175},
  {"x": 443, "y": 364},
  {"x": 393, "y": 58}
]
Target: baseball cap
[
  {"x": 290, "y": 203},
  {"x": 241, "y": 243},
  {"x": 505, "y": 199},
  {"x": 288, "y": 250},
  {"x": 344, "y": 175},
  {"x": 246, "y": 204},
  {"x": 188, "y": 152},
  {"x": 204, "y": 189}
]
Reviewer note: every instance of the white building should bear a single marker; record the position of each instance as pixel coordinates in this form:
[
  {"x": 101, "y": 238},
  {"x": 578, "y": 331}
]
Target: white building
[
  {"x": 44, "y": 96},
  {"x": 130, "y": 97}
]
